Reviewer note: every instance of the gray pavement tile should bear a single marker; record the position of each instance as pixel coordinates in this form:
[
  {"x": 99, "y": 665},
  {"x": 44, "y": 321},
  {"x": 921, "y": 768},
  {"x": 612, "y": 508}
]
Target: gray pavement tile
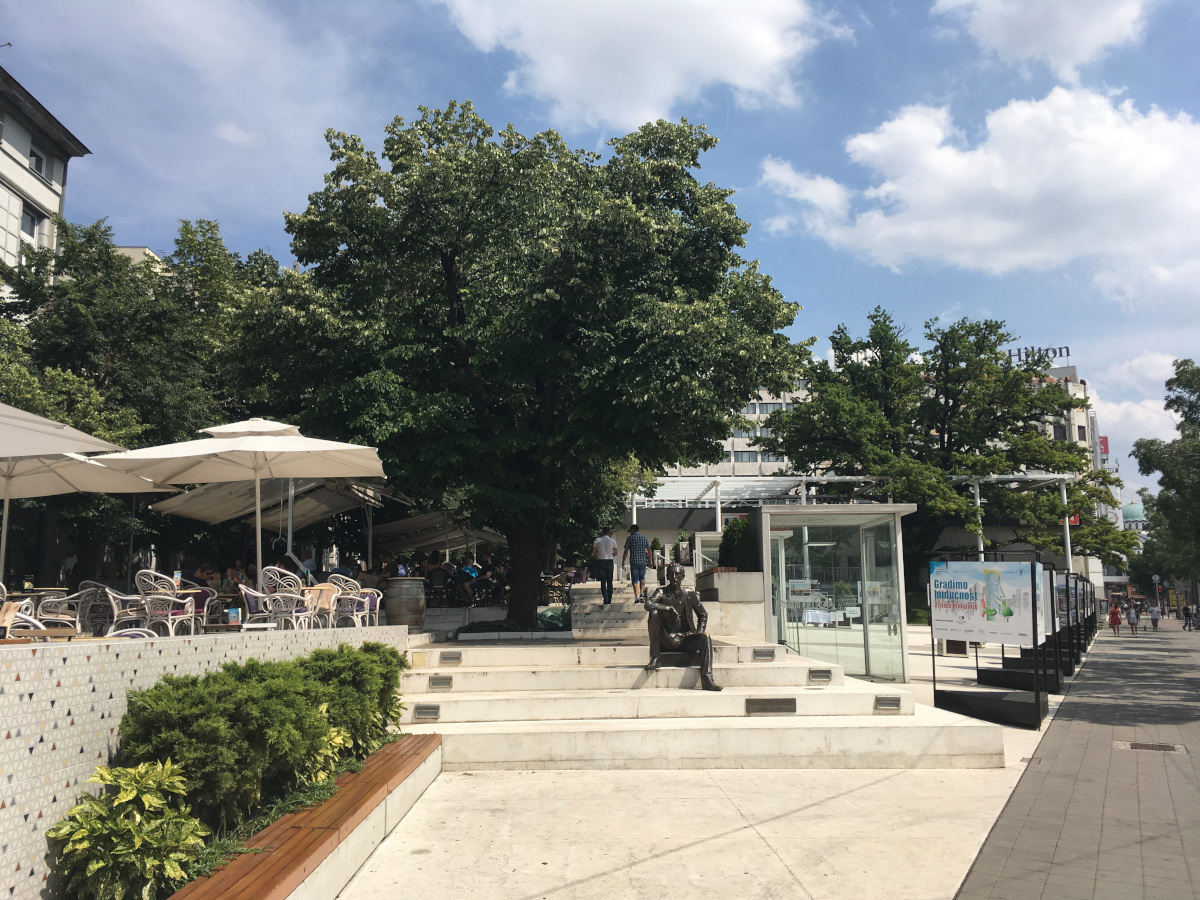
[{"x": 1128, "y": 819}]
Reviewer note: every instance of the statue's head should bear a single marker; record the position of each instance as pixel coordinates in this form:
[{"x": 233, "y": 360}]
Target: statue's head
[{"x": 675, "y": 574}]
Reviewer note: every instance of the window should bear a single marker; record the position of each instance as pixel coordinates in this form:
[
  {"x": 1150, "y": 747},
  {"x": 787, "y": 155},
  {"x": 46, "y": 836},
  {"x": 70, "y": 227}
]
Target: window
[
  {"x": 1060, "y": 432},
  {"x": 749, "y": 409},
  {"x": 37, "y": 161},
  {"x": 1083, "y": 433},
  {"x": 772, "y": 457},
  {"x": 745, "y": 456},
  {"x": 764, "y": 431},
  {"x": 30, "y": 221},
  {"x": 742, "y": 433},
  {"x": 765, "y": 408}
]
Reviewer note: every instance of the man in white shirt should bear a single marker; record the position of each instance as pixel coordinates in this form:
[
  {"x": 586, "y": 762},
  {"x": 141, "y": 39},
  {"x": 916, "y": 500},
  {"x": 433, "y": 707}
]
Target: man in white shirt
[{"x": 604, "y": 549}]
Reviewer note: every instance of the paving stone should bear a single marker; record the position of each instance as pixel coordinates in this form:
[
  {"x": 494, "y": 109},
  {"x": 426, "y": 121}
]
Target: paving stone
[{"x": 1119, "y": 824}]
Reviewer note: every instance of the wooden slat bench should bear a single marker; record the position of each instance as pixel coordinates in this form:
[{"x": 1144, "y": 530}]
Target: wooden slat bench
[{"x": 294, "y": 845}]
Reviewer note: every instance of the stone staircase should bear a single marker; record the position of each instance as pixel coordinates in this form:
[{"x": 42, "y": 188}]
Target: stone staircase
[
  {"x": 592, "y": 705},
  {"x": 591, "y": 619}
]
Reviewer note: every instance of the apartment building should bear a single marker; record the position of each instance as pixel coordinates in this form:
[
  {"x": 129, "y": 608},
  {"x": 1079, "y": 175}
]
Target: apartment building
[
  {"x": 34, "y": 151},
  {"x": 741, "y": 459}
]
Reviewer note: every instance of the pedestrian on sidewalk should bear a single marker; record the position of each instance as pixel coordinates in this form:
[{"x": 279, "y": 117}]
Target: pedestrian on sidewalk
[
  {"x": 1155, "y": 615},
  {"x": 1132, "y": 618},
  {"x": 604, "y": 549},
  {"x": 637, "y": 549},
  {"x": 1114, "y": 619},
  {"x": 1187, "y": 618}
]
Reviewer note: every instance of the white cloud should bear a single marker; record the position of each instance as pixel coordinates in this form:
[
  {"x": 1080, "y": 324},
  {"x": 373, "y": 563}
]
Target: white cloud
[
  {"x": 626, "y": 62},
  {"x": 827, "y": 199},
  {"x": 1064, "y": 34},
  {"x": 1145, "y": 374},
  {"x": 1071, "y": 177},
  {"x": 170, "y": 97}
]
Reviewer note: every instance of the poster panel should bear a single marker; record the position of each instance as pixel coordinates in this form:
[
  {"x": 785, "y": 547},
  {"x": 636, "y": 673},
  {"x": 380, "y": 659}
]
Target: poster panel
[{"x": 991, "y": 602}]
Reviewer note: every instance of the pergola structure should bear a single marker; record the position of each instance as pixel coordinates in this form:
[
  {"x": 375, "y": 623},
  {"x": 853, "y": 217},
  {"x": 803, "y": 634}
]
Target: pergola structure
[
  {"x": 702, "y": 491},
  {"x": 434, "y": 531}
]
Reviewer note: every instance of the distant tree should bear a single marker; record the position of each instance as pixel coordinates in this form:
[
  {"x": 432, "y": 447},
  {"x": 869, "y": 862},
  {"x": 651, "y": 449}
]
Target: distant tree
[
  {"x": 1173, "y": 516},
  {"x": 958, "y": 406},
  {"x": 128, "y": 351},
  {"x": 505, "y": 316}
]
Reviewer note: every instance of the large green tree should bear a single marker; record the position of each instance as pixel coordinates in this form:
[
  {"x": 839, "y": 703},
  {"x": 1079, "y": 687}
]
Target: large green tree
[
  {"x": 126, "y": 350},
  {"x": 1173, "y": 550},
  {"x": 500, "y": 314},
  {"x": 921, "y": 419}
]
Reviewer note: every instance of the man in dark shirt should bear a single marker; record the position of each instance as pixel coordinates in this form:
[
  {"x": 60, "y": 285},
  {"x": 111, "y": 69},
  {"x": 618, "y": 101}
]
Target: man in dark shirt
[{"x": 637, "y": 550}]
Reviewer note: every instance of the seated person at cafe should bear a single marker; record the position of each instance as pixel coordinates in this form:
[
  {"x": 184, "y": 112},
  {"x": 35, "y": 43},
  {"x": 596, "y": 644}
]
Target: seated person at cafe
[{"x": 464, "y": 578}]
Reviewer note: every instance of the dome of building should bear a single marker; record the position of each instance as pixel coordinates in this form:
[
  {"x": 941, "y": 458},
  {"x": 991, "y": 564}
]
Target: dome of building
[{"x": 1133, "y": 512}]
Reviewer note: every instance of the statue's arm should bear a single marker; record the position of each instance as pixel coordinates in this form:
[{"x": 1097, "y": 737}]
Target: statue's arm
[{"x": 699, "y": 610}]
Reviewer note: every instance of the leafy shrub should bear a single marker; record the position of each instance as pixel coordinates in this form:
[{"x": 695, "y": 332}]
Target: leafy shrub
[
  {"x": 241, "y": 733},
  {"x": 131, "y": 843},
  {"x": 739, "y": 546},
  {"x": 250, "y": 732},
  {"x": 358, "y": 686}
]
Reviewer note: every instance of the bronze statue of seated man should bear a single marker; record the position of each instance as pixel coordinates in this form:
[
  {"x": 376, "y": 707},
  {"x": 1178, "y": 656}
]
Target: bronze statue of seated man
[{"x": 677, "y": 621}]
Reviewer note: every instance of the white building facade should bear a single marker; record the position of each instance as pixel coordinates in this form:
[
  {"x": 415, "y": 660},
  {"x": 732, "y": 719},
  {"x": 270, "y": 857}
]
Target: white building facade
[{"x": 34, "y": 151}]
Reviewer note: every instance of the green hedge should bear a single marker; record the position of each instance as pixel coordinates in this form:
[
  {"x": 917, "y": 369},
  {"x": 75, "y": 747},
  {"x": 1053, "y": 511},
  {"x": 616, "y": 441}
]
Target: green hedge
[{"x": 247, "y": 734}]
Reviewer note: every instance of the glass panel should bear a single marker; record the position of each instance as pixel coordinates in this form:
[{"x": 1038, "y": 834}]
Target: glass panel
[{"x": 836, "y": 592}]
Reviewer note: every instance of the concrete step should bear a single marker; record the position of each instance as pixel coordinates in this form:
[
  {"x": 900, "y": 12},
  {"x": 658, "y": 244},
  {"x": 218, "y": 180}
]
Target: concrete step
[
  {"x": 930, "y": 738},
  {"x": 457, "y": 679},
  {"x": 853, "y": 698},
  {"x": 525, "y": 655}
]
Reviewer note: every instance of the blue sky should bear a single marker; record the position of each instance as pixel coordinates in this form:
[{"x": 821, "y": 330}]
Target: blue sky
[{"x": 1021, "y": 159}]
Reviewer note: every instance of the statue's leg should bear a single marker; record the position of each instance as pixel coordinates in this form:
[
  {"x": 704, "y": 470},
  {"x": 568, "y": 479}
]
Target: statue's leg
[
  {"x": 701, "y": 644},
  {"x": 655, "y": 629}
]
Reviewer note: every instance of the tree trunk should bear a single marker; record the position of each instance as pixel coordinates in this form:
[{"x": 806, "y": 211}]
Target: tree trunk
[{"x": 527, "y": 546}]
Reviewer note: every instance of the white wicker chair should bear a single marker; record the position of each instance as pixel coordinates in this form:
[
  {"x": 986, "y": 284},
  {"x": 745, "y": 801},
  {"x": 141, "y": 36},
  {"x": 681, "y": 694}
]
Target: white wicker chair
[
  {"x": 323, "y": 601},
  {"x": 162, "y": 605},
  {"x": 288, "y": 605},
  {"x": 64, "y": 611},
  {"x": 127, "y": 611},
  {"x": 260, "y": 607}
]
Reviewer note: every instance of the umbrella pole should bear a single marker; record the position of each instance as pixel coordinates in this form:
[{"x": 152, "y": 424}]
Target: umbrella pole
[
  {"x": 258, "y": 526},
  {"x": 4, "y": 528}
]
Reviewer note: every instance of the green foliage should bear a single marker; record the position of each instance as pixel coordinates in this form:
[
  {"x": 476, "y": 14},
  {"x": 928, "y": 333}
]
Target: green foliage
[
  {"x": 324, "y": 763},
  {"x": 133, "y": 841},
  {"x": 242, "y": 733},
  {"x": 511, "y": 318},
  {"x": 358, "y": 687},
  {"x": 958, "y": 406},
  {"x": 1173, "y": 516},
  {"x": 249, "y": 732},
  {"x": 739, "y": 546}
]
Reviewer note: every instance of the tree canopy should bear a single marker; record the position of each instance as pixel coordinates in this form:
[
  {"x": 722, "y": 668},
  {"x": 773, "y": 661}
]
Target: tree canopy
[
  {"x": 1173, "y": 516},
  {"x": 505, "y": 316},
  {"x": 917, "y": 418}
]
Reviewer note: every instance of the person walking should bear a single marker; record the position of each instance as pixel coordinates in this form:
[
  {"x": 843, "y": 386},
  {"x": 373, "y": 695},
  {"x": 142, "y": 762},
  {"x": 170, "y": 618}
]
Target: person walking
[
  {"x": 1187, "y": 618},
  {"x": 1155, "y": 615},
  {"x": 1114, "y": 619},
  {"x": 604, "y": 550},
  {"x": 1132, "y": 617},
  {"x": 637, "y": 551}
]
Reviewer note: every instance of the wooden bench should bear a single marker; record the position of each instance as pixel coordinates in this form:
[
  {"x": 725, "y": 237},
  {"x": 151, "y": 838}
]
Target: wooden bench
[{"x": 294, "y": 845}]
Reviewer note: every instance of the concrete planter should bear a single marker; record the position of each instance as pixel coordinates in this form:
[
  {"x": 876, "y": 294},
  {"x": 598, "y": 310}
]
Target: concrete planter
[{"x": 735, "y": 602}]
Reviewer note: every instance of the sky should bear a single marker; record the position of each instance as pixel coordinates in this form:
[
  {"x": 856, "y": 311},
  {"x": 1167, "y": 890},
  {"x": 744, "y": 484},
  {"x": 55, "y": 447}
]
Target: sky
[{"x": 1023, "y": 160}]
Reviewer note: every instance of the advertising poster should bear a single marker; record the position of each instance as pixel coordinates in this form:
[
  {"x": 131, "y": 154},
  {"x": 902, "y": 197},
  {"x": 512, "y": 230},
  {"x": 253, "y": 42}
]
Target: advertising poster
[{"x": 989, "y": 602}]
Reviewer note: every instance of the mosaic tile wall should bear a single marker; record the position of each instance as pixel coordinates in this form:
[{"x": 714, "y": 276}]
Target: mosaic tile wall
[{"x": 60, "y": 705}]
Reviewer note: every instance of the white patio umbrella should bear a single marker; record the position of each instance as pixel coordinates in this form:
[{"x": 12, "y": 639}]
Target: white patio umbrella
[
  {"x": 249, "y": 451},
  {"x": 39, "y": 458}
]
